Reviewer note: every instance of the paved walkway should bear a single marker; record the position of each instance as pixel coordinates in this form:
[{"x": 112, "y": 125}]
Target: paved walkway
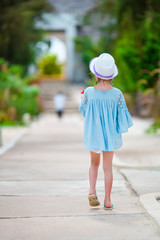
[
  {"x": 140, "y": 149},
  {"x": 44, "y": 187}
]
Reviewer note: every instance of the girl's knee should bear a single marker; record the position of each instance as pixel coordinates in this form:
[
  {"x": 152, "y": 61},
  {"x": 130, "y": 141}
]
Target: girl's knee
[{"x": 95, "y": 163}]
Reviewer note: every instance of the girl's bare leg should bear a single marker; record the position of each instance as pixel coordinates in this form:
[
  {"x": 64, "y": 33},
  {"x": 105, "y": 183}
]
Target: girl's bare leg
[
  {"x": 108, "y": 176},
  {"x": 93, "y": 171}
]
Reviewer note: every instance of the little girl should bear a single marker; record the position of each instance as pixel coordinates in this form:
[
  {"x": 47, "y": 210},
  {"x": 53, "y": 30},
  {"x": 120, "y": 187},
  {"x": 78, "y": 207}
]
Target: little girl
[{"x": 106, "y": 118}]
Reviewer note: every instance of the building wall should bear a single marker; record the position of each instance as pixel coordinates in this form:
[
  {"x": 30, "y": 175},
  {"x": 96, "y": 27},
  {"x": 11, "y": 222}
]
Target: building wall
[{"x": 75, "y": 70}]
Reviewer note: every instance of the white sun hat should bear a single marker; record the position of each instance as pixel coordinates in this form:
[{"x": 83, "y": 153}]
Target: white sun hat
[{"x": 104, "y": 66}]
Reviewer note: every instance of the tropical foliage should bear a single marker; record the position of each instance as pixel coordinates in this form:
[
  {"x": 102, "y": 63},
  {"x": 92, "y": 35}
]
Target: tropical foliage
[
  {"x": 19, "y": 33},
  {"x": 17, "y": 96}
]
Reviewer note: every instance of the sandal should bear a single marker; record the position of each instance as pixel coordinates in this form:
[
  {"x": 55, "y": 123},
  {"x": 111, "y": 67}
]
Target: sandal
[
  {"x": 93, "y": 200},
  {"x": 108, "y": 208}
]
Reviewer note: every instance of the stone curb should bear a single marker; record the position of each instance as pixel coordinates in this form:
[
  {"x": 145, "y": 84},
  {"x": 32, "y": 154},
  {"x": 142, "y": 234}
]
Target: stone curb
[
  {"x": 118, "y": 163},
  {"x": 11, "y": 143},
  {"x": 151, "y": 205}
]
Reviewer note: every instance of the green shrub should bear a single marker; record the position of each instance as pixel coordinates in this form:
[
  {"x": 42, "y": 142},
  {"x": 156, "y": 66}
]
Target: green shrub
[
  {"x": 17, "y": 96},
  {"x": 49, "y": 65}
]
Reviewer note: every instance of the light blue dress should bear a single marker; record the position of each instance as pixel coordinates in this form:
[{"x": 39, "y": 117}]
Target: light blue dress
[{"x": 106, "y": 118}]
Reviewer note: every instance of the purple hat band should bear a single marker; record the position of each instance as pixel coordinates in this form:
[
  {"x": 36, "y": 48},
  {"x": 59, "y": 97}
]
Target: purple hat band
[{"x": 98, "y": 74}]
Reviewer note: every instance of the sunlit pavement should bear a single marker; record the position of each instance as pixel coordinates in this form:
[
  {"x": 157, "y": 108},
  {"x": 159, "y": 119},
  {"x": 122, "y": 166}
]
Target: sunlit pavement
[{"x": 44, "y": 187}]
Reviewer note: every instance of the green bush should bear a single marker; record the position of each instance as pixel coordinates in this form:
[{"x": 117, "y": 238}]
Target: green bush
[
  {"x": 49, "y": 65},
  {"x": 17, "y": 96},
  {"x": 128, "y": 62}
]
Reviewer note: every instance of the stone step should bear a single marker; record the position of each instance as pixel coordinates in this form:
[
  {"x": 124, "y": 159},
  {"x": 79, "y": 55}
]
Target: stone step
[{"x": 49, "y": 89}]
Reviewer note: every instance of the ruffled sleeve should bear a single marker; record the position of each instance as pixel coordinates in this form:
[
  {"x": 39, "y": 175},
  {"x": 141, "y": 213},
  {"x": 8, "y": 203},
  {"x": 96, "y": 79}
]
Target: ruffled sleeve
[
  {"x": 83, "y": 105},
  {"x": 124, "y": 120}
]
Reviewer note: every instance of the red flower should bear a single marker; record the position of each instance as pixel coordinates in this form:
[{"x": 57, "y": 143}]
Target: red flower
[{"x": 82, "y": 91}]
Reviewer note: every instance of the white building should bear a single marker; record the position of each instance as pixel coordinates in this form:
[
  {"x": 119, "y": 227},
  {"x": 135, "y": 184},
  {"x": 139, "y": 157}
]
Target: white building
[{"x": 61, "y": 27}]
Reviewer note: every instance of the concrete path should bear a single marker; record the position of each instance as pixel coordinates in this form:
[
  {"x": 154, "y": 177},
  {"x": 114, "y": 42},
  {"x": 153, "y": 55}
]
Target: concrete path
[
  {"x": 44, "y": 187},
  {"x": 140, "y": 150}
]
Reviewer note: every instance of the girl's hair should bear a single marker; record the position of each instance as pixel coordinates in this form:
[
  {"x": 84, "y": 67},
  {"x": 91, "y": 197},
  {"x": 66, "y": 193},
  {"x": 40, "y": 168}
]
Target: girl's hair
[{"x": 100, "y": 79}]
